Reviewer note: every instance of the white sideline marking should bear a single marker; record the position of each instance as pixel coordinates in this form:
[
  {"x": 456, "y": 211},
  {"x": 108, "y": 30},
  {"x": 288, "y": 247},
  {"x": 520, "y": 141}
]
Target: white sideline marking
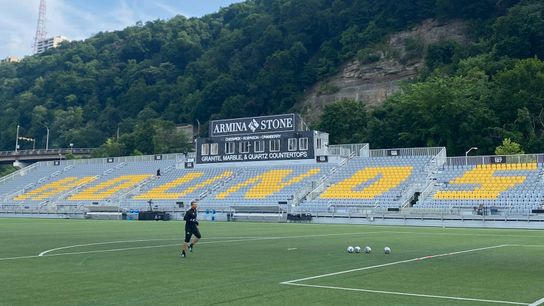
[
  {"x": 19, "y": 257},
  {"x": 237, "y": 239},
  {"x": 100, "y": 243},
  {"x": 527, "y": 245},
  {"x": 203, "y": 242},
  {"x": 392, "y": 263},
  {"x": 536, "y": 303},
  {"x": 118, "y": 249},
  {"x": 412, "y": 294},
  {"x": 129, "y": 241}
]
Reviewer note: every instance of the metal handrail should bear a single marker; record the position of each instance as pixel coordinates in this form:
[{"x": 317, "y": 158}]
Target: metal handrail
[
  {"x": 423, "y": 151},
  {"x": 20, "y": 172},
  {"x": 492, "y": 159},
  {"x": 46, "y": 152}
]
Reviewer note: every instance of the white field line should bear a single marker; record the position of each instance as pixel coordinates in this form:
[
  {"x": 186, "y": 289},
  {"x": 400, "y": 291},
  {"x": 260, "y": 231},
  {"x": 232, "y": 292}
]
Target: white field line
[
  {"x": 411, "y": 294},
  {"x": 536, "y": 303},
  {"x": 129, "y": 241},
  {"x": 296, "y": 281},
  {"x": 392, "y": 263},
  {"x": 177, "y": 244}
]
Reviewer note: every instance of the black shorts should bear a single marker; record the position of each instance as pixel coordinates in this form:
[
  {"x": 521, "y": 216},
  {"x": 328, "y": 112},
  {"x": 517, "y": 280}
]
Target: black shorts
[{"x": 190, "y": 232}]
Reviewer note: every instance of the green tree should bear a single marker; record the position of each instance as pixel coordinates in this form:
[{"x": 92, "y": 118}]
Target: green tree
[
  {"x": 509, "y": 147},
  {"x": 110, "y": 148},
  {"x": 451, "y": 112},
  {"x": 518, "y": 100},
  {"x": 6, "y": 169},
  {"x": 259, "y": 57},
  {"x": 345, "y": 121},
  {"x": 520, "y": 34}
]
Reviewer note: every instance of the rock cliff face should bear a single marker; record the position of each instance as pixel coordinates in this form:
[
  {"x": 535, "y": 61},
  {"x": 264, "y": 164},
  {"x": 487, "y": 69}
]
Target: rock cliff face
[{"x": 400, "y": 59}]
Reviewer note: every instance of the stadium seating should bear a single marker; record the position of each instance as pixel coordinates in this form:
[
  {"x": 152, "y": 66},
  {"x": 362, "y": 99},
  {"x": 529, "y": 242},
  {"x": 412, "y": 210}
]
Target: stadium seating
[
  {"x": 133, "y": 184},
  {"x": 54, "y": 188},
  {"x": 356, "y": 184},
  {"x": 123, "y": 178},
  {"x": 82, "y": 182},
  {"x": 267, "y": 185},
  {"x": 517, "y": 188},
  {"x": 105, "y": 190},
  {"x": 183, "y": 184},
  {"x": 179, "y": 186},
  {"x": 48, "y": 181},
  {"x": 372, "y": 182}
]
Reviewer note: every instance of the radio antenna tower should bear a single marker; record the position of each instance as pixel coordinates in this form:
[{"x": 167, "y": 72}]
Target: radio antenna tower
[{"x": 41, "y": 34}]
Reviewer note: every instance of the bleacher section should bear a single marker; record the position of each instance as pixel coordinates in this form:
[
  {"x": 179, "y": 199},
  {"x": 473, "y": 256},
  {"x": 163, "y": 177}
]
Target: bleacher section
[
  {"x": 180, "y": 186},
  {"x": 517, "y": 188},
  {"x": 132, "y": 185},
  {"x": 372, "y": 182},
  {"x": 81, "y": 183},
  {"x": 125, "y": 177},
  {"x": 267, "y": 185},
  {"x": 48, "y": 181},
  {"x": 350, "y": 184}
]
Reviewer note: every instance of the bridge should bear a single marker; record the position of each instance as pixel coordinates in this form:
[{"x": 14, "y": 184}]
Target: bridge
[{"x": 24, "y": 157}]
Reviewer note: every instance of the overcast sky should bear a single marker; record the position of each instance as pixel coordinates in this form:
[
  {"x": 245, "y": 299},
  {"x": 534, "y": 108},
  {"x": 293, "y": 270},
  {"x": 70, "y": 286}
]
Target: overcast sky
[{"x": 79, "y": 19}]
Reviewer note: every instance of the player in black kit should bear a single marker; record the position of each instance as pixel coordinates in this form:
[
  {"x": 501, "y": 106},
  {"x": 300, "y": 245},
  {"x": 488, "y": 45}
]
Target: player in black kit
[{"x": 191, "y": 228}]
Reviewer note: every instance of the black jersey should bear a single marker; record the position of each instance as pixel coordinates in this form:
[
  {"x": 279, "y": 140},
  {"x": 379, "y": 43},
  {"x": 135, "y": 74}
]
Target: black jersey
[{"x": 191, "y": 221}]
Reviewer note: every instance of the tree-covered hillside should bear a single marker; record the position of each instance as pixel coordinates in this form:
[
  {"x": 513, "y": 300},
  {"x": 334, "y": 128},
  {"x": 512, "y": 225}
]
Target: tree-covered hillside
[{"x": 259, "y": 56}]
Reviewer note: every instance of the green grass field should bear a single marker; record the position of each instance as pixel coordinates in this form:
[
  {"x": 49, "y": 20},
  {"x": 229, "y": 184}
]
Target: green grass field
[{"x": 138, "y": 263}]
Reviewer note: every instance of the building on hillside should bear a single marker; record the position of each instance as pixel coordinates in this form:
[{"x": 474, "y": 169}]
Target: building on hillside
[
  {"x": 10, "y": 59},
  {"x": 49, "y": 43}
]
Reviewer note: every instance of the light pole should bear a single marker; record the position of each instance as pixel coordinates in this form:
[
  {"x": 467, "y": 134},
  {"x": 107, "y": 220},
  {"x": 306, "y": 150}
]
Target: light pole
[
  {"x": 17, "y": 140},
  {"x": 46, "y": 137},
  {"x": 71, "y": 148},
  {"x": 466, "y": 154}
]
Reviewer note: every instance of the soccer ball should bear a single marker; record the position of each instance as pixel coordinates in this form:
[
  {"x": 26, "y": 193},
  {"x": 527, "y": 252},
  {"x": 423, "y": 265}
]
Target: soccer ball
[
  {"x": 387, "y": 250},
  {"x": 350, "y": 249},
  {"x": 367, "y": 250},
  {"x": 357, "y": 249}
]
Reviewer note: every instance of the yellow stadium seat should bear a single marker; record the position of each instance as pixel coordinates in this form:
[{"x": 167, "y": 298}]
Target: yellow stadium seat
[
  {"x": 161, "y": 192},
  {"x": 54, "y": 188},
  {"x": 268, "y": 183},
  {"x": 387, "y": 179},
  {"x": 108, "y": 188},
  {"x": 489, "y": 186}
]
